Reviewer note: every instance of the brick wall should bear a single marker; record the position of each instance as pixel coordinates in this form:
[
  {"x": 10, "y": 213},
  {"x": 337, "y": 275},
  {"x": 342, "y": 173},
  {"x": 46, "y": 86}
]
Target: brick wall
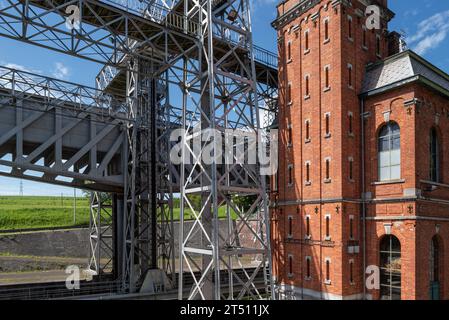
[{"x": 391, "y": 203}]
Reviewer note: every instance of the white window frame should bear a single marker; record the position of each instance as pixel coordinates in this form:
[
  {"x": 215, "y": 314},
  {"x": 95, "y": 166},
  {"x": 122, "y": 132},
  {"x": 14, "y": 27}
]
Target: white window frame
[
  {"x": 289, "y": 94},
  {"x": 378, "y": 47},
  {"x": 351, "y": 121},
  {"x": 308, "y": 163},
  {"x": 327, "y": 115},
  {"x": 290, "y": 223},
  {"x": 307, "y": 138},
  {"x": 328, "y": 39},
  {"x": 327, "y": 281},
  {"x": 351, "y": 160},
  {"x": 307, "y": 36},
  {"x": 327, "y": 237},
  {"x": 308, "y": 236},
  {"x": 290, "y": 135},
  {"x": 327, "y": 179},
  {"x": 351, "y": 219},
  {"x": 390, "y": 166},
  {"x": 364, "y": 33},
  {"x": 308, "y": 277},
  {"x": 290, "y": 258},
  {"x": 351, "y": 78},
  {"x": 350, "y": 36},
  {"x": 307, "y": 86},
  {"x": 290, "y": 167},
  {"x": 327, "y": 72},
  {"x": 289, "y": 51},
  {"x": 351, "y": 281}
]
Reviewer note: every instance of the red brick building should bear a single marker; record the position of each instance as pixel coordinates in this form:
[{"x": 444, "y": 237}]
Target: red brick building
[{"x": 355, "y": 195}]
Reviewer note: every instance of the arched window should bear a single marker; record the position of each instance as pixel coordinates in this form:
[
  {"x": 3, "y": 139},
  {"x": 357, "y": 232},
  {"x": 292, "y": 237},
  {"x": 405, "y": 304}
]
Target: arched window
[
  {"x": 434, "y": 269},
  {"x": 434, "y": 156},
  {"x": 390, "y": 268},
  {"x": 308, "y": 268},
  {"x": 390, "y": 152},
  {"x": 351, "y": 271},
  {"x": 308, "y": 226}
]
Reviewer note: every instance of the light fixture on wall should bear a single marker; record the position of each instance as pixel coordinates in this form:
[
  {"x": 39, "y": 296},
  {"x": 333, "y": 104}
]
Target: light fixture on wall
[{"x": 387, "y": 227}]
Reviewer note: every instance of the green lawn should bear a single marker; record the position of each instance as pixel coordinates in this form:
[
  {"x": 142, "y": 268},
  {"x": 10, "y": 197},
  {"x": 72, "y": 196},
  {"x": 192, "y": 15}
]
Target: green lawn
[
  {"x": 41, "y": 212},
  {"x": 46, "y": 212},
  {"x": 189, "y": 215}
]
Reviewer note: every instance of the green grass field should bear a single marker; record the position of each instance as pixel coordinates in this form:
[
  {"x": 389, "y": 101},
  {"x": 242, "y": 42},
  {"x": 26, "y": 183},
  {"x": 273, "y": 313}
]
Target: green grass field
[
  {"x": 41, "y": 212},
  {"x": 49, "y": 212}
]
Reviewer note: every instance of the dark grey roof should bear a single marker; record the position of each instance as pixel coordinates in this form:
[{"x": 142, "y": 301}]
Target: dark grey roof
[{"x": 403, "y": 68}]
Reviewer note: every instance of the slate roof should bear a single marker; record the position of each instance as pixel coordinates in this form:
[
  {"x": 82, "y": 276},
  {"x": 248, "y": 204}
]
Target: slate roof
[{"x": 401, "y": 69}]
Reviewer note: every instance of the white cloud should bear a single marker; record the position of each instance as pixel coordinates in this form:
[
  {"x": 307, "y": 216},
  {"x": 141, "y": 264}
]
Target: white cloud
[
  {"x": 431, "y": 33},
  {"x": 18, "y": 67},
  {"x": 60, "y": 71},
  {"x": 411, "y": 13}
]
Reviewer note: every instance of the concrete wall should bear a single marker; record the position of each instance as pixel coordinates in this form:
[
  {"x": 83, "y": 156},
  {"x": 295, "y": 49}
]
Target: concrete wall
[
  {"x": 55, "y": 243},
  {"x": 72, "y": 243}
]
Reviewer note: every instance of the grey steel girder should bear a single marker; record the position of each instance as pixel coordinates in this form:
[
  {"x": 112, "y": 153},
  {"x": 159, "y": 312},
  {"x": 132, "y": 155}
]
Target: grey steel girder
[{"x": 57, "y": 132}]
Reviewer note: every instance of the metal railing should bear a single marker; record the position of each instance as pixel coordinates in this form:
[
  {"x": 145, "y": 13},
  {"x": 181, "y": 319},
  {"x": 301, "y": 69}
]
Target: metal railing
[
  {"x": 265, "y": 57},
  {"x": 157, "y": 13},
  {"x": 261, "y": 55},
  {"x": 58, "y": 290},
  {"x": 106, "y": 75},
  {"x": 166, "y": 16},
  {"x": 26, "y": 85}
]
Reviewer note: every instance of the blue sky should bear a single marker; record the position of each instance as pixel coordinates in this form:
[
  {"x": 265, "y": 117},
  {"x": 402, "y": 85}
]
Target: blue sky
[{"x": 425, "y": 24}]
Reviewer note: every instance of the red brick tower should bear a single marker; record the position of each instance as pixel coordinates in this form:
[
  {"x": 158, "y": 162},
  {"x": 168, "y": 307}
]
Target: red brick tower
[
  {"x": 357, "y": 195},
  {"x": 324, "y": 47}
]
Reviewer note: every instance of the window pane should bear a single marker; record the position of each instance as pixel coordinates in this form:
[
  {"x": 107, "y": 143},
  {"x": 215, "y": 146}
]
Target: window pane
[
  {"x": 396, "y": 172},
  {"x": 384, "y": 132},
  {"x": 396, "y": 143},
  {"x": 389, "y": 156},
  {"x": 384, "y": 159},
  {"x": 384, "y": 174},
  {"x": 395, "y": 130},
  {"x": 395, "y": 157},
  {"x": 384, "y": 144}
]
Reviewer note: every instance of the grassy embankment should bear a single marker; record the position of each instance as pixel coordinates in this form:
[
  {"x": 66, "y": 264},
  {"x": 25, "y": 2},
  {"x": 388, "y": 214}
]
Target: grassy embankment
[{"x": 29, "y": 212}]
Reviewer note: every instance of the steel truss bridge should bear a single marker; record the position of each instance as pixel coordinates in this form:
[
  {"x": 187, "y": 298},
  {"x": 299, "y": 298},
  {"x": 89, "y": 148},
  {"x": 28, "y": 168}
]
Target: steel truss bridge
[{"x": 168, "y": 64}]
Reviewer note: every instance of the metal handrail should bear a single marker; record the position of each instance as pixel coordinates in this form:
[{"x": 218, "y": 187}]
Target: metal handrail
[
  {"x": 159, "y": 14},
  {"x": 261, "y": 55},
  {"x": 58, "y": 290},
  {"x": 164, "y": 15},
  {"x": 80, "y": 97},
  {"x": 265, "y": 57}
]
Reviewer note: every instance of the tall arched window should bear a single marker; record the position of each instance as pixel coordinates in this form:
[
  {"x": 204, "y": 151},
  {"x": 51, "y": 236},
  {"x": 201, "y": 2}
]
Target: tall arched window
[
  {"x": 390, "y": 268},
  {"x": 435, "y": 268},
  {"x": 390, "y": 152},
  {"x": 434, "y": 156}
]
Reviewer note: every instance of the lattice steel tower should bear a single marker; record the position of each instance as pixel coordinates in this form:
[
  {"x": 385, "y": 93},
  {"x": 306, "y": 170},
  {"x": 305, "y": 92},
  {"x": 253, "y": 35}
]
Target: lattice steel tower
[{"x": 228, "y": 101}]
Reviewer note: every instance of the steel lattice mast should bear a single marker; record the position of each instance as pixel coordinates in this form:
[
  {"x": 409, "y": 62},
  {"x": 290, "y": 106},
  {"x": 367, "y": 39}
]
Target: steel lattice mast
[{"x": 228, "y": 101}]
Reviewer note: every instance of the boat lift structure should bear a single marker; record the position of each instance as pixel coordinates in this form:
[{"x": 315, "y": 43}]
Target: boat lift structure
[{"x": 168, "y": 65}]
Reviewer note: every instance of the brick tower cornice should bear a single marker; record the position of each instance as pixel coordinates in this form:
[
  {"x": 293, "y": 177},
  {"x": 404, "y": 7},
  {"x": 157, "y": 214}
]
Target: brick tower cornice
[{"x": 305, "y": 5}]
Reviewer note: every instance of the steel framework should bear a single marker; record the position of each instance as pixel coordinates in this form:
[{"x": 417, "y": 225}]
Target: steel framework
[
  {"x": 101, "y": 249},
  {"x": 228, "y": 100},
  {"x": 168, "y": 64}
]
